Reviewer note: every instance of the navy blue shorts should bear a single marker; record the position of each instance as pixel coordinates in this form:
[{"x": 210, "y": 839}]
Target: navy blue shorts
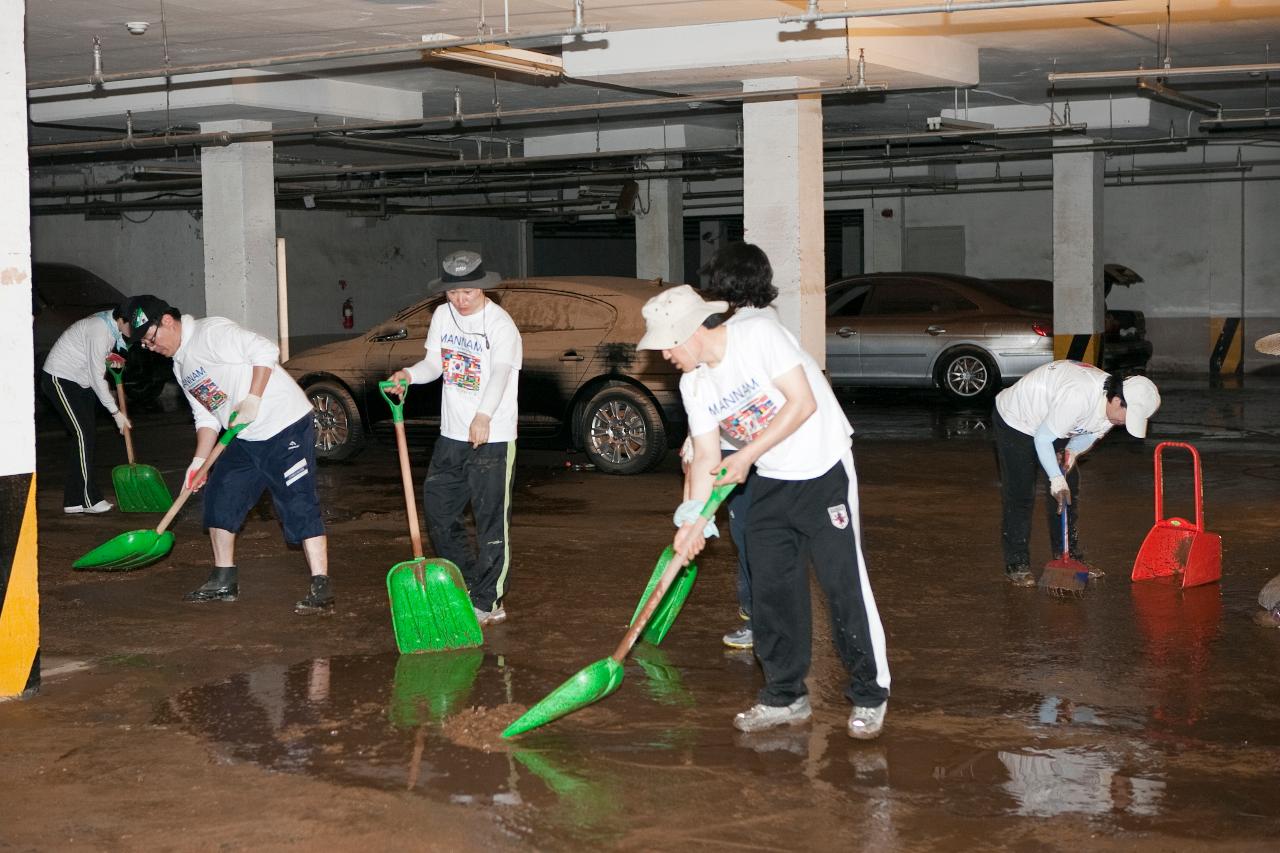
[{"x": 285, "y": 464}]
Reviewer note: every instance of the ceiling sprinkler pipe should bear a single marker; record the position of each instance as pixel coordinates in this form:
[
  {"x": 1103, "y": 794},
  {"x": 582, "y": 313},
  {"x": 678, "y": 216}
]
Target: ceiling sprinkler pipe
[
  {"x": 1163, "y": 73},
  {"x": 812, "y": 15}
]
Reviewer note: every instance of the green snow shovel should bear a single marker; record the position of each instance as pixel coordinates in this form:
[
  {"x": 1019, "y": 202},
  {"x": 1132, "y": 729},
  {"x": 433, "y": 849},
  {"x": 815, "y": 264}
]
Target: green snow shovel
[
  {"x": 139, "y": 488},
  {"x": 661, "y": 620},
  {"x": 596, "y": 681},
  {"x": 139, "y": 548},
  {"x": 430, "y": 608}
]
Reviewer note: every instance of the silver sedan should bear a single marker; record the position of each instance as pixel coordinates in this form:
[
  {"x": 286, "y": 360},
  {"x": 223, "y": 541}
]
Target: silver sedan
[{"x": 951, "y": 332}]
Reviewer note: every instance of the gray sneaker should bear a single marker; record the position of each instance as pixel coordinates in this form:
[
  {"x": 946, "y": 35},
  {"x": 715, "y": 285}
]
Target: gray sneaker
[
  {"x": 739, "y": 638},
  {"x": 866, "y": 723},
  {"x": 490, "y": 617},
  {"x": 760, "y": 717}
]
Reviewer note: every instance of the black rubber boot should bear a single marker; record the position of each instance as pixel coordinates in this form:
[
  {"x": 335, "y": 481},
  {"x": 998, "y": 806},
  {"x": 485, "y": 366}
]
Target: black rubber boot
[
  {"x": 221, "y": 586},
  {"x": 319, "y": 598}
]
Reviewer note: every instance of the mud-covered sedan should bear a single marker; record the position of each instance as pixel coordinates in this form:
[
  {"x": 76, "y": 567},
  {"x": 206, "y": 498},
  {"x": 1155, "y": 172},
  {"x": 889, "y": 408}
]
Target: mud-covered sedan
[{"x": 582, "y": 375}]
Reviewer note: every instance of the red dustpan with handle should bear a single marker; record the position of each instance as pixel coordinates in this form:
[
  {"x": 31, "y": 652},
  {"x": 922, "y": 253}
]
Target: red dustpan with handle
[{"x": 1176, "y": 547}]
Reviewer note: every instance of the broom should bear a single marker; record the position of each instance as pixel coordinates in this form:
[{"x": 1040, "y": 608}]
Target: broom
[{"x": 1065, "y": 575}]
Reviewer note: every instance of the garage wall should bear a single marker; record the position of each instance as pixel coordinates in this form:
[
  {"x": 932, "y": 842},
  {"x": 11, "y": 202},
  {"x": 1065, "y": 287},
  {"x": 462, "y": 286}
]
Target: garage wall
[{"x": 386, "y": 264}]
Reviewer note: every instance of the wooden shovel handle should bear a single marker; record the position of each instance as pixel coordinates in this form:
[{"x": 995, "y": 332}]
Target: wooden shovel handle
[
  {"x": 410, "y": 502},
  {"x": 204, "y": 469},
  {"x": 124, "y": 410}
]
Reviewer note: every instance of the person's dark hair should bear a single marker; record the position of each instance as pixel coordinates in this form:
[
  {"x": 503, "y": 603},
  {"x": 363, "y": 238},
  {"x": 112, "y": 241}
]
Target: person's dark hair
[
  {"x": 741, "y": 275},
  {"x": 1114, "y": 387},
  {"x": 714, "y": 320}
]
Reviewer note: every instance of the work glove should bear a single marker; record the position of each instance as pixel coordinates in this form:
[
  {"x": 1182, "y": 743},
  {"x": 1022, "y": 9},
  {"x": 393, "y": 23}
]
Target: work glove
[
  {"x": 188, "y": 481},
  {"x": 246, "y": 410},
  {"x": 121, "y": 421},
  {"x": 688, "y": 511},
  {"x": 1060, "y": 491},
  {"x": 115, "y": 361}
]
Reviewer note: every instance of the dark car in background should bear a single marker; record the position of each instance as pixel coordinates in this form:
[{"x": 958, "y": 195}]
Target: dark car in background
[
  {"x": 582, "y": 375},
  {"x": 951, "y": 332},
  {"x": 62, "y": 294}
]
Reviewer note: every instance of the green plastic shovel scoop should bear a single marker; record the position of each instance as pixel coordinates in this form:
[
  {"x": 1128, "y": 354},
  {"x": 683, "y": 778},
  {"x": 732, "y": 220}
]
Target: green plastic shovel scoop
[
  {"x": 139, "y": 548},
  {"x": 430, "y": 608},
  {"x": 596, "y": 681},
  {"x": 139, "y": 488}
]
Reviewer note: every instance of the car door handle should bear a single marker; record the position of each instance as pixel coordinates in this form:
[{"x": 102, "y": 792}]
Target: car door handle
[
  {"x": 936, "y": 330},
  {"x": 398, "y": 335},
  {"x": 845, "y": 332},
  {"x": 571, "y": 356}
]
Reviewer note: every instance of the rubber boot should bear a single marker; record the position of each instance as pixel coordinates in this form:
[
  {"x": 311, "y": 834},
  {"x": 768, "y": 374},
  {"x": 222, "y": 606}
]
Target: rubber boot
[
  {"x": 319, "y": 597},
  {"x": 222, "y": 585}
]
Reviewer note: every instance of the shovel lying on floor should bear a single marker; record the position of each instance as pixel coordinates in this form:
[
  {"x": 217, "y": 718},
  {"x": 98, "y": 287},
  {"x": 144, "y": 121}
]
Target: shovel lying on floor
[
  {"x": 1065, "y": 575},
  {"x": 430, "y": 608},
  {"x": 596, "y": 681},
  {"x": 139, "y": 548},
  {"x": 139, "y": 488}
]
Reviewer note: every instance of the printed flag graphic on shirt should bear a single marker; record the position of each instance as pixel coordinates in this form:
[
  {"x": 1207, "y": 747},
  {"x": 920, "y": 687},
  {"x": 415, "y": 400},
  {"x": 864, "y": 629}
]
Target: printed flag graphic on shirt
[
  {"x": 461, "y": 369},
  {"x": 749, "y": 421}
]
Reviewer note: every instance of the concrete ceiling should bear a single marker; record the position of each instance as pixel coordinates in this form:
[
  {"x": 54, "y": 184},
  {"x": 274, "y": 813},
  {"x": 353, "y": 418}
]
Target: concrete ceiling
[{"x": 928, "y": 63}]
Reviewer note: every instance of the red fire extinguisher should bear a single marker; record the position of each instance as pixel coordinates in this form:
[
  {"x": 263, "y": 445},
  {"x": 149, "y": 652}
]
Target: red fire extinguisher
[{"x": 348, "y": 315}]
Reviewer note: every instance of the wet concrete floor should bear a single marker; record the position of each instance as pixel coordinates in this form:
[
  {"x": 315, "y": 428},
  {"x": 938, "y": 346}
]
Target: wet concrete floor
[{"x": 1138, "y": 716}]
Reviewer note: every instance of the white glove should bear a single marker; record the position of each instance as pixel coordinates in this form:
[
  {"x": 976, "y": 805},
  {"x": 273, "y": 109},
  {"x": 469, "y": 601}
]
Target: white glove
[
  {"x": 247, "y": 409},
  {"x": 197, "y": 462},
  {"x": 690, "y": 510},
  {"x": 121, "y": 421},
  {"x": 1060, "y": 491}
]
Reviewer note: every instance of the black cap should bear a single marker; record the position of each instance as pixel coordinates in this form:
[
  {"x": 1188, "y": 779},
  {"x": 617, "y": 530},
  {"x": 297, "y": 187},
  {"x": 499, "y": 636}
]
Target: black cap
[{"x": 141, "y": 313}]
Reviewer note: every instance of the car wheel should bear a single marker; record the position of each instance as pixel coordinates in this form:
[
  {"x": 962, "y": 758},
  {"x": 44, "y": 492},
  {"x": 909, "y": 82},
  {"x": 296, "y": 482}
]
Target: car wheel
[
  {"x": 622, "y": 431},
  {"x": 339, "y": 430},
  {"x": 967, "y": 376}
]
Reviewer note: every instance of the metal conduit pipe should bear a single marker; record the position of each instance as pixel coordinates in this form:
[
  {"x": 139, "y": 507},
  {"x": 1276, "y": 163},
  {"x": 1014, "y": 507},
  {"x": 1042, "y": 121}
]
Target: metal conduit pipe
[
  {"x": 812, "y": 14},
  {"x": 1190, "y": 71}
]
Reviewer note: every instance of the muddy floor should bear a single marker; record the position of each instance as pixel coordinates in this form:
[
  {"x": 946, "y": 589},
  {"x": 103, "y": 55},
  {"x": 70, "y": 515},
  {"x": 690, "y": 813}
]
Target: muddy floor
[{"x": 1138, "y": 717}]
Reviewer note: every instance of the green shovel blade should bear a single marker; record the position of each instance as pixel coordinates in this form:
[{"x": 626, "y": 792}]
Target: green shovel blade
[
  {"x": 591, "y": 684},
  {"x": 430, "y": 608},
  {"x": 131, "y": 550},
  {"x": 140, "y": 488},
  {"x": 662, "y": 619}
]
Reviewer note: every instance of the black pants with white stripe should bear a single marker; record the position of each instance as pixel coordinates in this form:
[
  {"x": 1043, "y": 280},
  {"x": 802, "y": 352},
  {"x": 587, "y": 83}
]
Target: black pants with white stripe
[
  {"x": 460, "y": 474},
  {"x": 75, "y": 405},
  {"x": 793, "y": 523}
]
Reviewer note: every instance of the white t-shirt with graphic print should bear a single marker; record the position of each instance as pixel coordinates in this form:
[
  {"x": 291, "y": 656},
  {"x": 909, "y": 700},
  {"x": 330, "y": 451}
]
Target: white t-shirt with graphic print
[
  {"x": 468, "y": 349},
  {"x": 738, "y": 398}
]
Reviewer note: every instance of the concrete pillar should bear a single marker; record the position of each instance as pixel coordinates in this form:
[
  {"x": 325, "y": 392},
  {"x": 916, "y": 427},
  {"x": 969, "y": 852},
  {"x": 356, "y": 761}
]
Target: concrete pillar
[
  {"x": 19, "y": 590},
  {"x": 238, "y": 186},
  {"x": 660, "y": 225},
  {"x": 782, "y": 202},
  {"x": 712, "y": 234},
  {"x": 1077, "y": 253},
  {"x": 1224, "y": 222}
]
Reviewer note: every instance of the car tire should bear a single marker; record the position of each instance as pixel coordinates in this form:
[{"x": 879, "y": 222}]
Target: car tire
[
  {"x": 622, "y": 431},
  {"x": 967, "y": 375},
  {"x": 340, "y": 432}
]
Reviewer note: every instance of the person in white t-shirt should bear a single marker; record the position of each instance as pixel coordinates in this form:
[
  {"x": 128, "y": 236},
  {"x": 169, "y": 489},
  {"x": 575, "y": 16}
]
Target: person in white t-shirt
[
  {"x": 750, "y": 381},
  {"x": 73, "y": 377},
  {"x": 475, "y": 349},
  {"x": 1045, "y": 421},
  {"x": 232, "y": 377}
]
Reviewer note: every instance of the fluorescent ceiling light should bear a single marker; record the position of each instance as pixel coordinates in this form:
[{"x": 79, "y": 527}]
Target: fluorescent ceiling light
[{"x": 499, "y": 56}]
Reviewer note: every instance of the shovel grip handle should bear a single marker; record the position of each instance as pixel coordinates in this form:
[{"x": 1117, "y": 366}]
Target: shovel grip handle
[
  {"x": 396, "y": 403},
  {"x": 1196, "y": 472}
]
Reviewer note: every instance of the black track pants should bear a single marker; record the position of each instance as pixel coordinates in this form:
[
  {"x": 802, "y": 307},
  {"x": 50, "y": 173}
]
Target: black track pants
[
  {"x": 1019, "y": 470},
  {"x": 458, "y": 475},
  {"x": 75, "y": 405},
  {"x": 792, "y": 523}
]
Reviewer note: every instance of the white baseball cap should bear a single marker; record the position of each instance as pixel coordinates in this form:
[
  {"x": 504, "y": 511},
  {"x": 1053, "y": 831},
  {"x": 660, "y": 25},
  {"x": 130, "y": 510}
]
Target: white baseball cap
[
  {"x": 1141, "y": 400},
  {"x": 671, "y": 317}
]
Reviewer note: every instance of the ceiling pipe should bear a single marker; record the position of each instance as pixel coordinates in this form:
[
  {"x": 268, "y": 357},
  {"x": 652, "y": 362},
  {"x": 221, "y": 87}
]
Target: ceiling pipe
[
  {"x": 1172, "y": 96},
  {"x": 1190, "y": 71},
  {"x": 812, "y": 15}
]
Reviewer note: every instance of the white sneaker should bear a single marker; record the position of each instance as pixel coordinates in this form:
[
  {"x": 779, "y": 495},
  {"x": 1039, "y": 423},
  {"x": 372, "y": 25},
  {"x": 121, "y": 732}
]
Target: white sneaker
[
  {"x": 100, "y": 506},
  {"x": 759, "y": 717},
  {"x": 490, "y": 617},
  {"x": 866, "y": 723}
]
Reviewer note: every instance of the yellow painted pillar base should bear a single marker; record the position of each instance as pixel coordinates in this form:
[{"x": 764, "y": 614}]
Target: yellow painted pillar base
[
  {"x": 1225, "y": 356},
  {"x": 1085, "y": 348},
  {"x": 19, "y": 595}
]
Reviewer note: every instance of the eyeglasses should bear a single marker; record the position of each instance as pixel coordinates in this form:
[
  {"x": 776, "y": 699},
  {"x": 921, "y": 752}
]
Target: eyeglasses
[{"x": 149, "y": 340}]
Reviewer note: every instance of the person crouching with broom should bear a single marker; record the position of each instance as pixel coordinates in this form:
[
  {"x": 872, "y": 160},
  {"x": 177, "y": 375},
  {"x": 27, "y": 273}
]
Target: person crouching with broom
[
  {"x": 1050, "y": 417},
  {"x": 750, "y": 381}
]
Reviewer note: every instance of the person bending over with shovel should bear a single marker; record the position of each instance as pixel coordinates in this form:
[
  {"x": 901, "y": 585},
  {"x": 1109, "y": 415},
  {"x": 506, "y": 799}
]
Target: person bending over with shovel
[
  {"x": 228, "y": 371},
  {"x": 475, "y": 348},
  {"x": 751, "y": 381},
  {"x": 74, "y": 374},
  {"x": 1050, "y": 417}
]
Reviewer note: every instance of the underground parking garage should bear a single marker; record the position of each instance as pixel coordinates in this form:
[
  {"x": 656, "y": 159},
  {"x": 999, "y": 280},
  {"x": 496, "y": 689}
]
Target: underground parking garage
[{"x": 304, "y": 173}]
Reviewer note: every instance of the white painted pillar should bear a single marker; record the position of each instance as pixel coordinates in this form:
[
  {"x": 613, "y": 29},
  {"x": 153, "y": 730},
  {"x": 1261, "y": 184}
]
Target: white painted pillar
[
  {"x": 238, "y": 186},
  {"x": 1077, "y": 253},
  {"x": 782, "y": 202},
  {"x": 19, "y": 584},
  {"x": 660, "y": 225}
]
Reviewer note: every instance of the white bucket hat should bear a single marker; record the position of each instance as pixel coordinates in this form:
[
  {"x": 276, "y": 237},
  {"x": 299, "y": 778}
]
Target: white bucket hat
[
  {"x": 463, "y": 268},
  {"x": 671, "y": 317},
  {"x": 1141, "y": 400}
]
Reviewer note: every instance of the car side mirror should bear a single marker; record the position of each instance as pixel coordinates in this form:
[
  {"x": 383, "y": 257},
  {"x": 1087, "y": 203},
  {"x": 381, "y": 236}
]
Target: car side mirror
[{"x": 397, "y": 335}]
